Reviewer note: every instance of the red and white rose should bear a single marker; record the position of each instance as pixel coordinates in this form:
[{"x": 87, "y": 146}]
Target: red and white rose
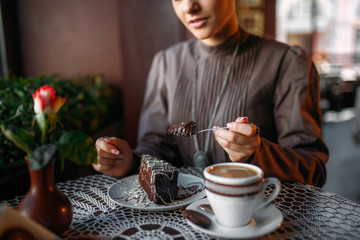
[{"x": 46, "y": 101}]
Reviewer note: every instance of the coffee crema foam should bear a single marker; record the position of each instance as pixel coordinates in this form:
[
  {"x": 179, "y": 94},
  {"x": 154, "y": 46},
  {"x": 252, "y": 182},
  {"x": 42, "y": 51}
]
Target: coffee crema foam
[{"x": 232, "y": 171}]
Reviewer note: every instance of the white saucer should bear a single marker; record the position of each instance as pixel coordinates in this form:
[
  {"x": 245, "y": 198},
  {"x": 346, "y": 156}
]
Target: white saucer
[
  {"x": 262, "y": 222},
  {"x": 128, "y": 193}
]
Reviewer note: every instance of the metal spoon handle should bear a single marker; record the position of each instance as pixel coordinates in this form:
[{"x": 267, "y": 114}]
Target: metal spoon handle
[{"x": 210, "y": 129}]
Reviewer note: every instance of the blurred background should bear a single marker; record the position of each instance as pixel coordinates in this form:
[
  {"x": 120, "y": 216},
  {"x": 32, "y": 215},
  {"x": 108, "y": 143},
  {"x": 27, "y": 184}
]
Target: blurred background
[{"x": 113, "y": 41}]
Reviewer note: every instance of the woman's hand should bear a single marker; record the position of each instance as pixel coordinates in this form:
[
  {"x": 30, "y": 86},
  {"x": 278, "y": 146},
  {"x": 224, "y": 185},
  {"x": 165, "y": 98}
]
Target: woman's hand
[
  {"x": 241, "y": 141},
  {"x": 114, "y": 156}
]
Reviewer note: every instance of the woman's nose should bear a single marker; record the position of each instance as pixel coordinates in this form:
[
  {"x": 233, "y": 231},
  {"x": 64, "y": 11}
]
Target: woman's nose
[{"x": 190, "y": 6}]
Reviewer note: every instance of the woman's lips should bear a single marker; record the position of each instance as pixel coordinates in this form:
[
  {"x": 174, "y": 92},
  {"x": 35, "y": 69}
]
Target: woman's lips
[{"x": 198, "y": 22}]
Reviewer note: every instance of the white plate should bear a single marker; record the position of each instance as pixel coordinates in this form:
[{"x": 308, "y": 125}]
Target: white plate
[
  {"x": 128, "y": 193},
  {"x": 262, "y": 222}
]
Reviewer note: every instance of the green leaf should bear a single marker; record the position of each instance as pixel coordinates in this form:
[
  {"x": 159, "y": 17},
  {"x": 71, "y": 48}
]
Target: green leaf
[
  {"x": 42, "y": 120},
  {"x": 19, "y": 111},
  {"x": 77, "y": 147},
  {"x": 19, "y": 137},
  {"x": 20, "y": 93},
  {"x": 42, "y": 156}
]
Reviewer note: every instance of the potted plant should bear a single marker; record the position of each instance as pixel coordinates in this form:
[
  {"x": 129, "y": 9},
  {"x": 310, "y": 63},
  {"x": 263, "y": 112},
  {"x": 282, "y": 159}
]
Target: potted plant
[
  {"x": 45, "y": 126},
  {"x": 44, "y": 202},
  {"x": 89, "y": 108}
]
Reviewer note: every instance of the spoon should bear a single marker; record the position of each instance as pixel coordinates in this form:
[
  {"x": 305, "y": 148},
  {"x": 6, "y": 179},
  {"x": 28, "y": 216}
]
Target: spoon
[
  {"x": 206, "y": 207},
  {"x": 210, "y": 129}
]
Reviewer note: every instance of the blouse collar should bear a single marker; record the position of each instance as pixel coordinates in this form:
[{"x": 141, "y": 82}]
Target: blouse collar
[{"x": 223, "y": 48}]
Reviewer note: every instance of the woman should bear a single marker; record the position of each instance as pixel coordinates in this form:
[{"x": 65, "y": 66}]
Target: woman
[{"x": 227, "y": 77}]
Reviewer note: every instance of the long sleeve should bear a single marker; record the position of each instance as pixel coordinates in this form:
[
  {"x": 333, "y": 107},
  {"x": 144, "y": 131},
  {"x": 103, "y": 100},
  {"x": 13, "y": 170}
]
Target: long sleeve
[{"x": 300, "y": 153}]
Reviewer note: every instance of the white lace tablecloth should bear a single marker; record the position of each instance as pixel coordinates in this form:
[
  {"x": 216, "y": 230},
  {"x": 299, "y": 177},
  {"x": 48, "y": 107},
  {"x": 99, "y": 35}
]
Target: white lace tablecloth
[{"x": 309, "y": 213}]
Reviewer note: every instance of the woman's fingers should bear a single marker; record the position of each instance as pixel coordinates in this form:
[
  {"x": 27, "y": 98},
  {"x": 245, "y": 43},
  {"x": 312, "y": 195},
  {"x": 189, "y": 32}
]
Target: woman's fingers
[
  {"x": 108, "y": 161},
  {"x": 105, "y": 144},
  {"x": 121, "y": 147},
  {"x": 233, "y": 141},
  {"x": 242, "y": 120},
  {"x": 104, "y": 154},
  {"x": 247, "y": 129},
  {"x": 114, "y": 156},
  {"x": 241, "y": 140},
  {"x": 101, "y": 168}
]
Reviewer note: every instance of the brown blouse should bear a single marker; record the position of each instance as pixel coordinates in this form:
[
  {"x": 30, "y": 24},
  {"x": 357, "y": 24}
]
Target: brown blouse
[{"x": 275, "y": 85}]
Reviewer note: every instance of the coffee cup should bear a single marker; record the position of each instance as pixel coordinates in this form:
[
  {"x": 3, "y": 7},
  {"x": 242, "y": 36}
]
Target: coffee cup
[{"x": 236, "y": 190}]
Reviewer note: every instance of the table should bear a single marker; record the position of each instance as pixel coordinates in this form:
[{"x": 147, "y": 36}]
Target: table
[{"x": 309, "y": 213}]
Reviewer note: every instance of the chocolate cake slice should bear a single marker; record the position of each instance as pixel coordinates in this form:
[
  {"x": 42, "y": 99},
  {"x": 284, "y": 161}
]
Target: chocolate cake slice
[
  {"x": 159, "y": 179},
  {"x": 184, "y": 129}
]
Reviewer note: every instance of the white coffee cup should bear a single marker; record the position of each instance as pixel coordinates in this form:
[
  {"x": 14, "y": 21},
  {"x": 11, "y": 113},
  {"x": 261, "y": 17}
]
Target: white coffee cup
[{"x": 236, "y": 190}]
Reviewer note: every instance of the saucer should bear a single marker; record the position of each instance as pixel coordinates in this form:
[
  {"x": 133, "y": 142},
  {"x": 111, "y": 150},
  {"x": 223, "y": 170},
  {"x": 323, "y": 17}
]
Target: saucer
[
  {"x": 127, "y": 193},
  {"x": 262, "y": 222}
]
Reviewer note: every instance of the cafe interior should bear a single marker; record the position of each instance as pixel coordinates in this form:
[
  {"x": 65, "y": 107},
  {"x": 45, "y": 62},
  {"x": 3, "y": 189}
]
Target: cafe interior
[{"x": 113, "y": 42}]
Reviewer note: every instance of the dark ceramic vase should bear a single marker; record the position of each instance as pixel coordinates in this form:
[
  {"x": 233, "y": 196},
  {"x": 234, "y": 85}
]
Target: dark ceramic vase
[{"x": 44, "y": 203}]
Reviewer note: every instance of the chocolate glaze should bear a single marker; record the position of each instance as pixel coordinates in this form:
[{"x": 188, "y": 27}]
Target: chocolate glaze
[
  {"x": 190, "y": 190},
  {"x": 184, "y": 129}
]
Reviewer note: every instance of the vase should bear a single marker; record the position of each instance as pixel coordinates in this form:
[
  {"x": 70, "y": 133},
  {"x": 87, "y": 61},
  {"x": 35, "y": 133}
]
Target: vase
[{"x": 44, "y": 203}]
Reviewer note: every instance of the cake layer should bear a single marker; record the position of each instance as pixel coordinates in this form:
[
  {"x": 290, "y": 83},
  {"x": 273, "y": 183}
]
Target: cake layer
[{"x": 158, "y": 178}]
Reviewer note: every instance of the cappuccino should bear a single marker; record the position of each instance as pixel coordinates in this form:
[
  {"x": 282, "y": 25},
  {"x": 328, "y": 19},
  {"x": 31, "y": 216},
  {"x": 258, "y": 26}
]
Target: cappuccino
[
  {"x": 232, "y": 171},
  {"x": 236, "y": 190}
]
